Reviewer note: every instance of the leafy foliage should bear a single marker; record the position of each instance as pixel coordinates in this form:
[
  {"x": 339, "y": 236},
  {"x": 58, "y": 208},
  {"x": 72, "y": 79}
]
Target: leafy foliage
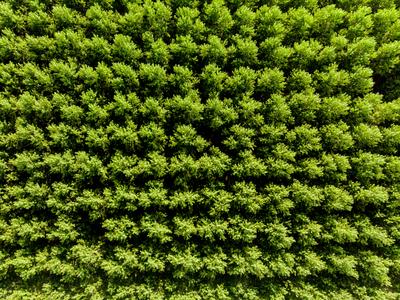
[{"x": 216, "y": 149}]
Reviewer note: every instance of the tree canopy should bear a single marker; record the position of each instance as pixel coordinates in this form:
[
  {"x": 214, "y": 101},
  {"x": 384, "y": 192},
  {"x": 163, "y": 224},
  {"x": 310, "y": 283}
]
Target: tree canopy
[{"x": 218, "y": 149}]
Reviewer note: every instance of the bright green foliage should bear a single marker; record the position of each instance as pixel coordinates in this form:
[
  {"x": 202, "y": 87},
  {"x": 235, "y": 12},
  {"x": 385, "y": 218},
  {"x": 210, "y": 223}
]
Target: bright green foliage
[{"x": 188, "y": 149}]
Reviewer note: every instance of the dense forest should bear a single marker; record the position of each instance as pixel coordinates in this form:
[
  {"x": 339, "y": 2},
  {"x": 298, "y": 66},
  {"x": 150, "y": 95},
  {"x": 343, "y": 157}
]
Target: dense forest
[{"x": 187, "y": 149}]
